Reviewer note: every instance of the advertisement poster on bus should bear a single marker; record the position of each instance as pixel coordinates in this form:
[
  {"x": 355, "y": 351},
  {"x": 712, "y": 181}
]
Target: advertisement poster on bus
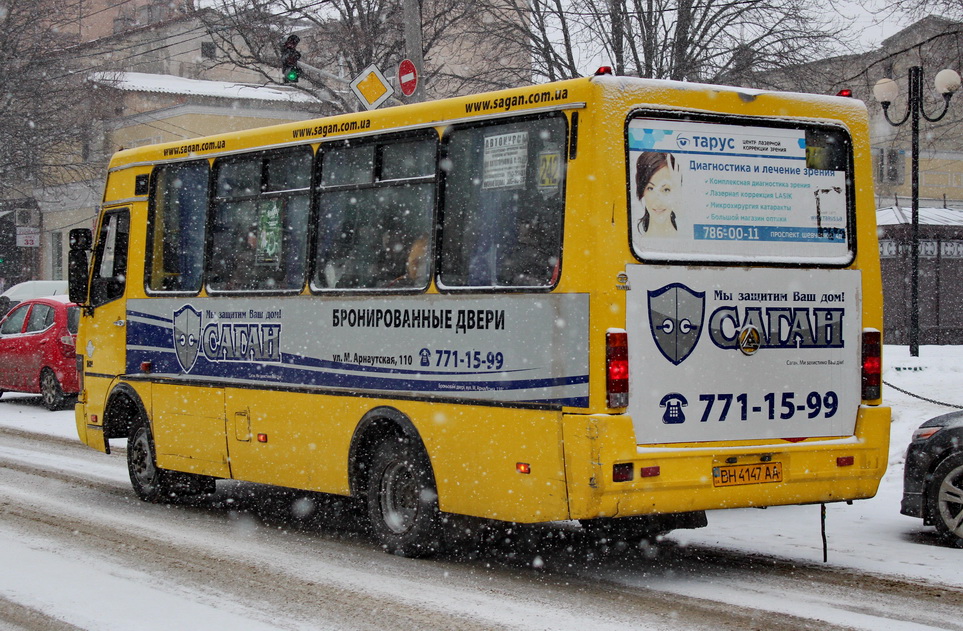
[
  {"x": 723, "y": 354},
  {"x": 492, "y": 349},
  {"x": 705, "y": 191}
]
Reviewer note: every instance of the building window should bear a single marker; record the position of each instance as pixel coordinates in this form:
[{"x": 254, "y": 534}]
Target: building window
[
  {"x": 208, "y": 50},
  {"x": 889, "y": 165}
]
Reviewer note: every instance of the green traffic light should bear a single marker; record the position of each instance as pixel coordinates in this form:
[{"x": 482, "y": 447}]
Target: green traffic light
[{"x": 292, "y": 74}]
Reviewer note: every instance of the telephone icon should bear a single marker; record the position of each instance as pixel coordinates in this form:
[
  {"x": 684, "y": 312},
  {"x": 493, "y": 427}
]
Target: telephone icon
[{"x": 673, "y": 404}]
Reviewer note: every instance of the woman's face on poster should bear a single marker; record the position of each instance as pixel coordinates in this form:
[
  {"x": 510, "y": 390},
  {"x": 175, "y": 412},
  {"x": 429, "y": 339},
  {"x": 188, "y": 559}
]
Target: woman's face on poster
[{"x": 659, "y": 193}]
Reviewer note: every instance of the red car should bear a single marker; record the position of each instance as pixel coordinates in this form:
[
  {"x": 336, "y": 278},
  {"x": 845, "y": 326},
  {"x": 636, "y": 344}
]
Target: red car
[{"x": 38, "y": 349}]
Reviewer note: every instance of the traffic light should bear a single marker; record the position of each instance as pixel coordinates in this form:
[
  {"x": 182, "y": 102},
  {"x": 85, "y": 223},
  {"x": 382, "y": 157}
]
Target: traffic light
[{"x": 290, "y": 70}]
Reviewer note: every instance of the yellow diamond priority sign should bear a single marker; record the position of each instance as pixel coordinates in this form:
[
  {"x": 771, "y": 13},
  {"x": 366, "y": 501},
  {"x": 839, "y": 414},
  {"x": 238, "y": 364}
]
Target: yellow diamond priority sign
[{"x": 371, "y": 87}]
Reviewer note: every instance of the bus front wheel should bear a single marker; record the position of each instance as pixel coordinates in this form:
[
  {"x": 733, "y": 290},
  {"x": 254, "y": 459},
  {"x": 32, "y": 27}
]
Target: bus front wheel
[
  {"x": 402, "y": 499},
  {"x": 150, "y": 482}
]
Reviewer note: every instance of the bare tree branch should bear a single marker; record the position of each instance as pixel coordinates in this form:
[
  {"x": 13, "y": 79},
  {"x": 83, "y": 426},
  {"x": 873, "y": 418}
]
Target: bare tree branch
[
  {"x": 691, "y": 40},
  {"x": 42, "y": 130},
  {"x": 341, "y": 38}
]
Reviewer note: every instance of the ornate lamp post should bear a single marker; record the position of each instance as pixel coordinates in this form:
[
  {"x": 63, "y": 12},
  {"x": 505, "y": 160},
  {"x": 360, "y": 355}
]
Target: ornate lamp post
[{"x": 947, "y": 82}]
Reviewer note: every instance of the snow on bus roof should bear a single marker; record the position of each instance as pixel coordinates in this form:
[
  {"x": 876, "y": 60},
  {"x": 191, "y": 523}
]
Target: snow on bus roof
[{"x": 169, "y": 84}]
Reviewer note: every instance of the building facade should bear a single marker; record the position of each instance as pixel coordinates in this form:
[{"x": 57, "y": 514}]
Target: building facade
[
  {"x": 157, "y": 75},
  {"x": 154, "y": 76}
]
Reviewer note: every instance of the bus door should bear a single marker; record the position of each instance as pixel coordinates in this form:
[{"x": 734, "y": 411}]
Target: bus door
[{"x": 105, "y": 351}]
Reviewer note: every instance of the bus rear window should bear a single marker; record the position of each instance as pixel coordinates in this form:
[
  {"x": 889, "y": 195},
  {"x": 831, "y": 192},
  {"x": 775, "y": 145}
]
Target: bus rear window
[{"x": 708, "y": 191}]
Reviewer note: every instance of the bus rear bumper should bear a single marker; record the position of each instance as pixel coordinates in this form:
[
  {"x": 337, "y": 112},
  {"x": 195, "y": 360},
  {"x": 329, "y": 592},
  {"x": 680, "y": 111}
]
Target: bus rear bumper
[{"x": 609, "y": 475}]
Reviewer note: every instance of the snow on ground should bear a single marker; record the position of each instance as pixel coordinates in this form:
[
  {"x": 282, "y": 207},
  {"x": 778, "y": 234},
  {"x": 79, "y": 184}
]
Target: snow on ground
[{"x": 869, "y": 535}]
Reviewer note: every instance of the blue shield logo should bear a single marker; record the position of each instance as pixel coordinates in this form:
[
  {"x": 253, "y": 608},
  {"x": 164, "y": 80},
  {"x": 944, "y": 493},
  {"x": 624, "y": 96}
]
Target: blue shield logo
[
  {"x": 187, "y": 336},
  {"x": 676, "y": 314}
]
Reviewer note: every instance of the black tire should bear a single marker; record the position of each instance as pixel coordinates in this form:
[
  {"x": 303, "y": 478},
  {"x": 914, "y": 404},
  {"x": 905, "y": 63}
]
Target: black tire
[
  {"x": 150, "y": 482},
  {"x": 945, "y": 499},
  {"x": 403, "y": 500},
  {"x": 51, "y": 393}
]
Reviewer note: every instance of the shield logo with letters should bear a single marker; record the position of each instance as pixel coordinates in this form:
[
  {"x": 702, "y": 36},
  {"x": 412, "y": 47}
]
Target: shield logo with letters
[
  {"x": 187, "y": 336},
  {"x": 676, "y": 314}
]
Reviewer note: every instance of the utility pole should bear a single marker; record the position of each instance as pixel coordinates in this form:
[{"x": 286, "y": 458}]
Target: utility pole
[
  {"x": 886, "y": 91},
  {"x": 413, "y": 46}
]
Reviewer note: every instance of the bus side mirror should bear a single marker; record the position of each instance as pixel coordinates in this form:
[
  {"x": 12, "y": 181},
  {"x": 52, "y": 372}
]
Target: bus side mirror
[{"x": 77, "y": 264}]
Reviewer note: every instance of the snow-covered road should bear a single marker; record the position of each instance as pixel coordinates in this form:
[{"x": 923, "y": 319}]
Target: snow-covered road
[{"x": 79, "y": 551}]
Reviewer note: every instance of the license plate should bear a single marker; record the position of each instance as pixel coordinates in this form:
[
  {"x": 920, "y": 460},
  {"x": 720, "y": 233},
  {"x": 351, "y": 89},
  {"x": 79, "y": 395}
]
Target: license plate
[{"x": 734, "y": 475}]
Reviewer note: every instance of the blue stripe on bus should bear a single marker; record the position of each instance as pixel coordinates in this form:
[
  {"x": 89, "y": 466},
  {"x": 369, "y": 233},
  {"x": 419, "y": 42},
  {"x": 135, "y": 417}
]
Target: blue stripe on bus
[
  {"x": 166, "y": 363},
  {"x": 161, "y": 339}
]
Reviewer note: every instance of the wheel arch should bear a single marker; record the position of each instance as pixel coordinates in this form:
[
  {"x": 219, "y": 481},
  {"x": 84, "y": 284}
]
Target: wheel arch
[
  {"x": 931, "y": 517},
  {"x": 949, "y": 448},
  {"x": 124, "y": 405},
  {"x": 378, "y": 424}
]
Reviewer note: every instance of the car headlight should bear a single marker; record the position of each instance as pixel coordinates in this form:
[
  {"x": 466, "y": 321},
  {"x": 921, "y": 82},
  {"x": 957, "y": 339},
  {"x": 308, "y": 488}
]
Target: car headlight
[{"x": 924, "y": 433}]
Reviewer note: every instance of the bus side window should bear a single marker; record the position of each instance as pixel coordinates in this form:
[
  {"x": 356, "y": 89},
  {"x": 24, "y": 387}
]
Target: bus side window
[
  {"x": 110, "y": 258},
  {"x": 260, "y": 222},
  {"x": 177, "y": 227},
  {"x": 503, "y": 205},
  {"x": 376, "y": 204}
]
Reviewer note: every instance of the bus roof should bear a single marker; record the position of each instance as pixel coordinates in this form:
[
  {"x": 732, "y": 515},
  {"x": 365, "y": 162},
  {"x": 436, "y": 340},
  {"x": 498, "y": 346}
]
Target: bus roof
[{"x": 627, "y": 92}]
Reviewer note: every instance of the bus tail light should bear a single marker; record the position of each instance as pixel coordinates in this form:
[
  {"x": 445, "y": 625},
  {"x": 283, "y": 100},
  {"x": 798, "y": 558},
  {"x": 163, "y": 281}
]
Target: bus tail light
[
  {"x": 623, "y": 472},
  {"x": 872, "y": 365},
  {"x": 617, "y": 367}
]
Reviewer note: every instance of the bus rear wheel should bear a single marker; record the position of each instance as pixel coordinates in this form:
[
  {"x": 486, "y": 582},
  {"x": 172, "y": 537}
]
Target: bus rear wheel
[{"x": 402, "y": 500}]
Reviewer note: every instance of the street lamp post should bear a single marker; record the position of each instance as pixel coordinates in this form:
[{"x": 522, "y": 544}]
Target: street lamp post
[{"x": 947, "y": 82}]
